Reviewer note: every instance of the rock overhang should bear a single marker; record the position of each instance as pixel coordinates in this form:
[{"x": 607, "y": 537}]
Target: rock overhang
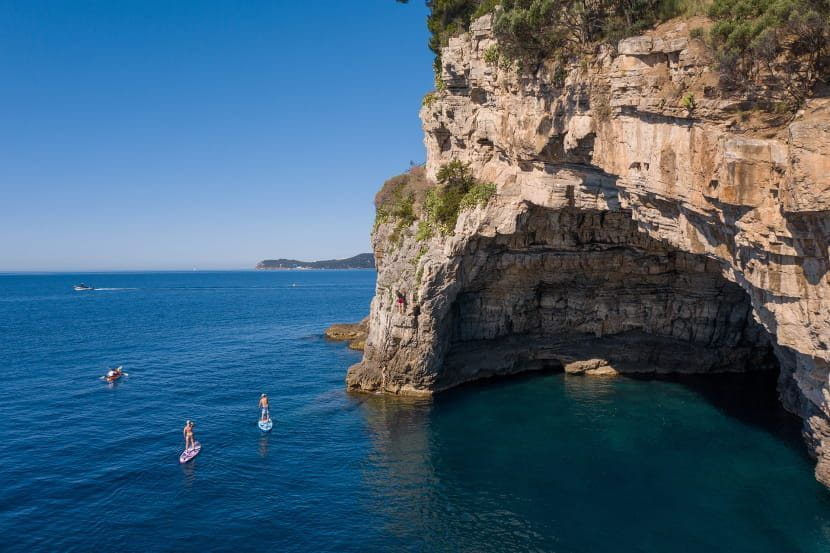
[{"x": 614, "y": 142}]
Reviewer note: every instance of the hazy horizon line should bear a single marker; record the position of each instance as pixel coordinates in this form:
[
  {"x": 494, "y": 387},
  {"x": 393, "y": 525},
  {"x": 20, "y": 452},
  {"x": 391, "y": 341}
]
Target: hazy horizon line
[{"x": 124, "y": 271}]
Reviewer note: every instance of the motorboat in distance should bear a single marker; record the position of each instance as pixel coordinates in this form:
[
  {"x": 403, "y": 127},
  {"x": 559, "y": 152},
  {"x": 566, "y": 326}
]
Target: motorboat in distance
[{"x": 82, "y": 287}]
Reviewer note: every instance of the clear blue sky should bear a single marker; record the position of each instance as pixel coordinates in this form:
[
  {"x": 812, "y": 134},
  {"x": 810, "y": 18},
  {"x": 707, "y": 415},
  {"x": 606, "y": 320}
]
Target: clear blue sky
[{"x": 161, "y": 134}]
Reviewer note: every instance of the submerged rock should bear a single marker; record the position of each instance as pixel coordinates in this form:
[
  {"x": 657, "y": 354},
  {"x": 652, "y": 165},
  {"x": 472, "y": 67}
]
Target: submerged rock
[{"x": 628, "y": 234}]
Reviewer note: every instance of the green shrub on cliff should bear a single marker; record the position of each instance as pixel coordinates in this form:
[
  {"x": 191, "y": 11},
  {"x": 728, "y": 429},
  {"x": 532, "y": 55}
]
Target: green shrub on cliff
[
  {"x": 402, "y": 211},
  {"x": 539, "y": 28},
  {"x": 788, "y": 40},
  {"x": 396, "y": 201},
  {"x": 443, "y": 202},
  {"x": 478, "y": 194},
  {"x": 403, "y": 198},
  {"x": 532, "y": 30},
  {"x": 457, "y": 190},
  {"x": 425, "y": 231},
  {"x": 448, "y": 18},
  {"x": 429, "y": 99},
  {"x": 491, "y": 54}
]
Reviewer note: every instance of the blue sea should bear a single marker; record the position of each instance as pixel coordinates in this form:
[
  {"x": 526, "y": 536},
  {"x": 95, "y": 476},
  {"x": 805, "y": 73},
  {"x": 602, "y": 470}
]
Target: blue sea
[{"x": 546, "y": 462}]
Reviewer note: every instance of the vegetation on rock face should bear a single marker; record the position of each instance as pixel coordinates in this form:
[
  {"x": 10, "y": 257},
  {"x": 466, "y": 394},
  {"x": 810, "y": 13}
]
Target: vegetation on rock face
[
  {"x": 457, "y": 190},
  {"x": 785, "y": 40},
  {"x": 429, "y": 99},
  {"x": 448, "y": 18},
  {"x": 397, "y": 198},
  {"x": 424, "y": 231},
  {"x": 492, "y": 54},
  {"x": 407, "y": 198},
  {"x": 531, "y": 30},
  {"x": 534, "y": 29},
  {"x": 478, "y": 194}
]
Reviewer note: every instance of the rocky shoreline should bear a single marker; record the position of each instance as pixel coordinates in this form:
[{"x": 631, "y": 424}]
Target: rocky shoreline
[
  {"x": 359, "y": 261},
  {"x": 353, "y": 333}
]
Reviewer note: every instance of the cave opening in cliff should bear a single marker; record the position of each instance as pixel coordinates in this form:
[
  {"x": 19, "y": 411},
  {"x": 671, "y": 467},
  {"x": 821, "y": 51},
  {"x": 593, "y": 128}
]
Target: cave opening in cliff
[{"x": 588, "y": 292}]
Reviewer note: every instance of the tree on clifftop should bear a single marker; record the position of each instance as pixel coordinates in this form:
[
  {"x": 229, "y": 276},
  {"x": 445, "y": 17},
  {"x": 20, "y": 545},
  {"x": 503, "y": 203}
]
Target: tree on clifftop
[{"x": 763, "y": 46}]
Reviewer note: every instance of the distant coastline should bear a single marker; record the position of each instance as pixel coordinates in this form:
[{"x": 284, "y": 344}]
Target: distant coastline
[{"x": 359, "y": 261}]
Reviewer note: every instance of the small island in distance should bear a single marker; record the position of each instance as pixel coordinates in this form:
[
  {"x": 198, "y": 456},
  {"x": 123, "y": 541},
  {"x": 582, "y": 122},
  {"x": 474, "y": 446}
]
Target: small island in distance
[{"x": 360, "y": 261}]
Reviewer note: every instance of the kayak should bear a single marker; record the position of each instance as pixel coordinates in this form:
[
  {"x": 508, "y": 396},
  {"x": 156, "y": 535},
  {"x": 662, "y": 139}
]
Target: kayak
[
  {"x": 189, "y": 454},
  {"x": 266, "y": 426},
  {"x": 118, "y": 374}
]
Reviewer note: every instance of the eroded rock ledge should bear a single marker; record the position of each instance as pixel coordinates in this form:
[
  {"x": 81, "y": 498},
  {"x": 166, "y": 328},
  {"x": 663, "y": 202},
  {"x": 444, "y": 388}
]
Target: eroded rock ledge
[
  {"x": 628, "y": 234},
  {"x": 353, "y": 333}
]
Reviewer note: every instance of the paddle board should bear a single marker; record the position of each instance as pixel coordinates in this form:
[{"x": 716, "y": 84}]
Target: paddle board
[
  {"x": 189, "y": 454},
  {"x": 265, "y": 426}
]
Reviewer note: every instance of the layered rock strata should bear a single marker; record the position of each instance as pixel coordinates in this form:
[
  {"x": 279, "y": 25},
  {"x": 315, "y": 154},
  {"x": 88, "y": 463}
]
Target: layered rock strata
[{"x": 645, "y": 221}]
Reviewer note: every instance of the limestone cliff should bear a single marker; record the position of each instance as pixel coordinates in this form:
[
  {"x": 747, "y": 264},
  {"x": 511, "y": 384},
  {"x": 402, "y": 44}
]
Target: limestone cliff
[{"x": 644, "y": 221}]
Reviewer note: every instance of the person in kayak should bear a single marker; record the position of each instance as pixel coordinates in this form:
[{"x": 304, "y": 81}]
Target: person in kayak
[
  {"x": 112, "y": 374},
  {"x": 263, "y": 404},
  {"x": 189, "y": 442}
]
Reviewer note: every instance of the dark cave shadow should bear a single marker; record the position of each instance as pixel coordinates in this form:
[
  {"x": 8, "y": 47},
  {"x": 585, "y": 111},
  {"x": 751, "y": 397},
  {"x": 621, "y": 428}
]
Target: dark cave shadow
[
  {"x": 495, "y": 382},
  {"x": 751, "y": 398}
]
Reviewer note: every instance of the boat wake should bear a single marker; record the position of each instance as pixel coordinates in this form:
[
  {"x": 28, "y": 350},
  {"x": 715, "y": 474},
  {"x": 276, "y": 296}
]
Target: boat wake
[{"x": 112, "y": 289}]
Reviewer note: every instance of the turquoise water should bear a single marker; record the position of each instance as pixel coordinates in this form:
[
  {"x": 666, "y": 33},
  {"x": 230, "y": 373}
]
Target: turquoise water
[{"x": 543, "y": 463}]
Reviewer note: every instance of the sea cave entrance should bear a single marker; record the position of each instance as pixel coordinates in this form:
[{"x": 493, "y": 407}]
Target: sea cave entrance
[{"x": 589, "y": 292}]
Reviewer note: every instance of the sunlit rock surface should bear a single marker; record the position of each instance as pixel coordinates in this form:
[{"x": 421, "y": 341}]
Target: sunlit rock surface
[{"x": 629, "y": 233}]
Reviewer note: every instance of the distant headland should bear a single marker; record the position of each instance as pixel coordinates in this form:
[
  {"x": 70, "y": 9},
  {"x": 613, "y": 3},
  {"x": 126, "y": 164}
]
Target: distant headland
[{"x": 360, "y": 261}]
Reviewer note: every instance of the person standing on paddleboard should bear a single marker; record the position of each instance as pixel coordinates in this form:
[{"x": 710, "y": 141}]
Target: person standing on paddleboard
[
  {"x": 263, "y": 404},
  {"x": 188, "y": 435}
]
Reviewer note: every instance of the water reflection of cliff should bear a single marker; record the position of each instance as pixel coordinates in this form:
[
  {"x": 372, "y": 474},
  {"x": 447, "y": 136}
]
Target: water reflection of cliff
[
  {"x": 421, "y": 486},
  {"x": 563, "y": 463},
  {"x": 401, "y": 450}
]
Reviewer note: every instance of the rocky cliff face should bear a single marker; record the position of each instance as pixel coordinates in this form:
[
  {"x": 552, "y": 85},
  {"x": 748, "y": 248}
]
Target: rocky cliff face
[{"x": 644, "y": 222}]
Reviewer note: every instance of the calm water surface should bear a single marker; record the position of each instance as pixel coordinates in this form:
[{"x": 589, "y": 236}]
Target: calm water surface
[{"x": 548, "y": 463}]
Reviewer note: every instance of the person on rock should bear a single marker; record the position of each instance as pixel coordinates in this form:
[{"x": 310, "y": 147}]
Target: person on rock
[{"x": 401, "y": 302}]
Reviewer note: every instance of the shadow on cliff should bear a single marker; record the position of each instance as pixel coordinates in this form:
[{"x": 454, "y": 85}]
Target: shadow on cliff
[
  {"x": 809, "y": 233},
  {"x": 808, "y": 238}
]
